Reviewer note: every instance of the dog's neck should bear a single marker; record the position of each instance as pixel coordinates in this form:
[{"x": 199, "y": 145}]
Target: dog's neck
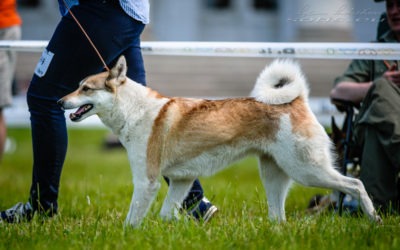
[{"x": 131, "y": 103}]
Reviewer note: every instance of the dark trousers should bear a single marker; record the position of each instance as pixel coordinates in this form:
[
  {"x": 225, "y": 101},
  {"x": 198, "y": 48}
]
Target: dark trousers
[
  {"x": 377, "y": 132},
  {"x": 67, "y": 60}
]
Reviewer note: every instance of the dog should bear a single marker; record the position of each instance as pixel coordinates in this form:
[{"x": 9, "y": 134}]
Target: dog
[{"x": 184, "y": 138}]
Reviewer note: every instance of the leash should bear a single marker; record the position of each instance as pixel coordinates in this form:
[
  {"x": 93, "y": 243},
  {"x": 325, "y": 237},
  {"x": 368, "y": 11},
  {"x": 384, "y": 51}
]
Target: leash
[{"x": 86, "y": 35}]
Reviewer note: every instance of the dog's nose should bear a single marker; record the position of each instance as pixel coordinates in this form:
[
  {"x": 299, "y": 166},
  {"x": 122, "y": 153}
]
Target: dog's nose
[{"x": 60, "y": 102}]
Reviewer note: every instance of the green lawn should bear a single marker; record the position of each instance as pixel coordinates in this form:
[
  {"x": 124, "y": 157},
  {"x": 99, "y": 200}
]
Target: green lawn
[{"x": 96, "y": 189}]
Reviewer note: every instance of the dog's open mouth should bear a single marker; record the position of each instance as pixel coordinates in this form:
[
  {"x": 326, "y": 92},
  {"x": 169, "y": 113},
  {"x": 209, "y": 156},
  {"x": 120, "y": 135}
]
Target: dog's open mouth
[{"x": 81, "y": 110}]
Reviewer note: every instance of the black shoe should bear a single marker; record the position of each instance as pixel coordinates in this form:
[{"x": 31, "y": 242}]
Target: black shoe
[
  {"x": 204, "y": 210},
  {"x": 18, "y": 213}
]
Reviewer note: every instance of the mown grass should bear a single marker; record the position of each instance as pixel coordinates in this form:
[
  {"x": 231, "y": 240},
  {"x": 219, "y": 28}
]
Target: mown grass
[{"x": 96, "y": 190}]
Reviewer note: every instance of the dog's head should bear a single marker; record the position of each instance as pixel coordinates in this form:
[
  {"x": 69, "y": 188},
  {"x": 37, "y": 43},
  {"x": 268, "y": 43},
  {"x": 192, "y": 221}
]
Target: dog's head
[{"x": 96, "y": 93}]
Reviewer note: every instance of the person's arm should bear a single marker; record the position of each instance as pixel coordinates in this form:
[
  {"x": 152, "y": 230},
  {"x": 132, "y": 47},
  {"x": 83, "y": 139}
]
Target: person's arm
[
  {"x": 350, "y": 91},
  {"x": 356, "y": 91},
  {"x": 354, "y": 84}
]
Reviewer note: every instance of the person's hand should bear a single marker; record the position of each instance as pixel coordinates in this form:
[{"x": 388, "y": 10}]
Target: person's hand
[{"x": 393, "y": 75}]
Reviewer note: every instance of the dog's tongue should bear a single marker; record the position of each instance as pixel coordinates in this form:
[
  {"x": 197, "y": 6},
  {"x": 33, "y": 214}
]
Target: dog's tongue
[
  {"x": 73, "y": 117},
  {"x": 76, "y": 115},
  {"x": 82, "y": 109}
]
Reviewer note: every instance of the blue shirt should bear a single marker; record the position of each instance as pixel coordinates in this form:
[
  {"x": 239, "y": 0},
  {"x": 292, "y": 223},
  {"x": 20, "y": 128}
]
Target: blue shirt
[{"x": 137, "y": 9}]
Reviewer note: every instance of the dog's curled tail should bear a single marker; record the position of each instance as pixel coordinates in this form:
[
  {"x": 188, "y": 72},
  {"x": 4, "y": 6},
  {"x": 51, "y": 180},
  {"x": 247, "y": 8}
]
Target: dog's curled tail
[{"x": 280, "y": 82}]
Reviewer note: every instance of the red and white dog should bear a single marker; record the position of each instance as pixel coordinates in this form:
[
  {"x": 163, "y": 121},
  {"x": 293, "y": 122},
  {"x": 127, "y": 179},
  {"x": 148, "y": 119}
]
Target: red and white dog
[{"x": 183, "y": 138}]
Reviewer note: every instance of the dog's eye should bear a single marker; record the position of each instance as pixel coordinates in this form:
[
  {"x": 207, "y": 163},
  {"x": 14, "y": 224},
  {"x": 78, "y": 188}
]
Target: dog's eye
[{"x": 85, "y": 88}]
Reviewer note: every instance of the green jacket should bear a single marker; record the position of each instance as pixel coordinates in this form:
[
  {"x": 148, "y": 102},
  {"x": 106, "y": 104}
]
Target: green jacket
[{"x": 380, "y": 108}]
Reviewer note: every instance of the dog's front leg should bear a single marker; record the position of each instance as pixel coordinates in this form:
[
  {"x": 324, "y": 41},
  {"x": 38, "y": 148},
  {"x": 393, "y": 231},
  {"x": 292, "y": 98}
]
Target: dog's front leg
[
  {"x": 177, "y": 191},
  {"x": 143, "y": 196}
]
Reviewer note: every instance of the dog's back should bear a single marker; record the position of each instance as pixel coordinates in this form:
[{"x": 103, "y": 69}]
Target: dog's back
[{"x": 193, "y": 137}]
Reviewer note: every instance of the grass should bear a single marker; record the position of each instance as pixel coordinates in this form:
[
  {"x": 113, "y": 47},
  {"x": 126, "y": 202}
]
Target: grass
[{"x": 96, "y": 190}]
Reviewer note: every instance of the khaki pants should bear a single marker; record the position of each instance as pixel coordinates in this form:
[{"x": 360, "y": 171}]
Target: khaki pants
[
  {"x": 7, "y": 65},
  {"x": 377, "y": 132}
]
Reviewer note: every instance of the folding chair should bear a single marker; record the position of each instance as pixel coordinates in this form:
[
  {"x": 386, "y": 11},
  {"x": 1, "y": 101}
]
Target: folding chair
[{"x": 347, "y": 152}]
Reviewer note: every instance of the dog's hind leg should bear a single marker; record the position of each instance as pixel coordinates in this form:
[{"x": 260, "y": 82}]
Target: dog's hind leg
[
  {"x": 327, "y": 177},
  {"x": 276, "y": 184},
  {"x": 143, "y": 196},
  {"x": 177, "y": 191}
]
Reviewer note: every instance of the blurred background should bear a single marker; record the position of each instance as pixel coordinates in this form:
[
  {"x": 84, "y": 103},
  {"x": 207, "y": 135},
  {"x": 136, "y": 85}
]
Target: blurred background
[{"x": 221, "y": 20}]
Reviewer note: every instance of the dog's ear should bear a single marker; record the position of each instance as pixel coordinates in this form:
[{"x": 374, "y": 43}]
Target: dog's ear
[{"x": 118, "y": 72}]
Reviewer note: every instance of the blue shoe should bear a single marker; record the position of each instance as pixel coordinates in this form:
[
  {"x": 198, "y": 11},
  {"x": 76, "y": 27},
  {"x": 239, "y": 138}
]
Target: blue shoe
[
  {"x": 350, "y": 205},
  {"x": 18, "y": 213},
  {"x": 203, "y": 211}
]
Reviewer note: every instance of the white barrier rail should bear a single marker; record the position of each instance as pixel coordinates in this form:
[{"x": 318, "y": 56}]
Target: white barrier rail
[{"x": 374, "y": 51}]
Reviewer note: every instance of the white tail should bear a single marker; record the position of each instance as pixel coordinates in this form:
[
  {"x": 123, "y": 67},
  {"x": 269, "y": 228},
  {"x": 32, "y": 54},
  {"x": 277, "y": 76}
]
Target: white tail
[{"x": 280, "y": 82}]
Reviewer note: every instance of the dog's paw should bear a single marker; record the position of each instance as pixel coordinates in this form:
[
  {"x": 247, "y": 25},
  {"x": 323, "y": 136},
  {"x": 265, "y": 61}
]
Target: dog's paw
[
  {"x": 131, "y": 223},
  {"x": 378, "y": 220}
]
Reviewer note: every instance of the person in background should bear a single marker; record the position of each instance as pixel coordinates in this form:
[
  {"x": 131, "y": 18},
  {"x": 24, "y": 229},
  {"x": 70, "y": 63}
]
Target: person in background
[
  {"x": 115, "y": 27},
  {"x": 375, "y": 84},
  {"x": 10, "y": 29}
]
